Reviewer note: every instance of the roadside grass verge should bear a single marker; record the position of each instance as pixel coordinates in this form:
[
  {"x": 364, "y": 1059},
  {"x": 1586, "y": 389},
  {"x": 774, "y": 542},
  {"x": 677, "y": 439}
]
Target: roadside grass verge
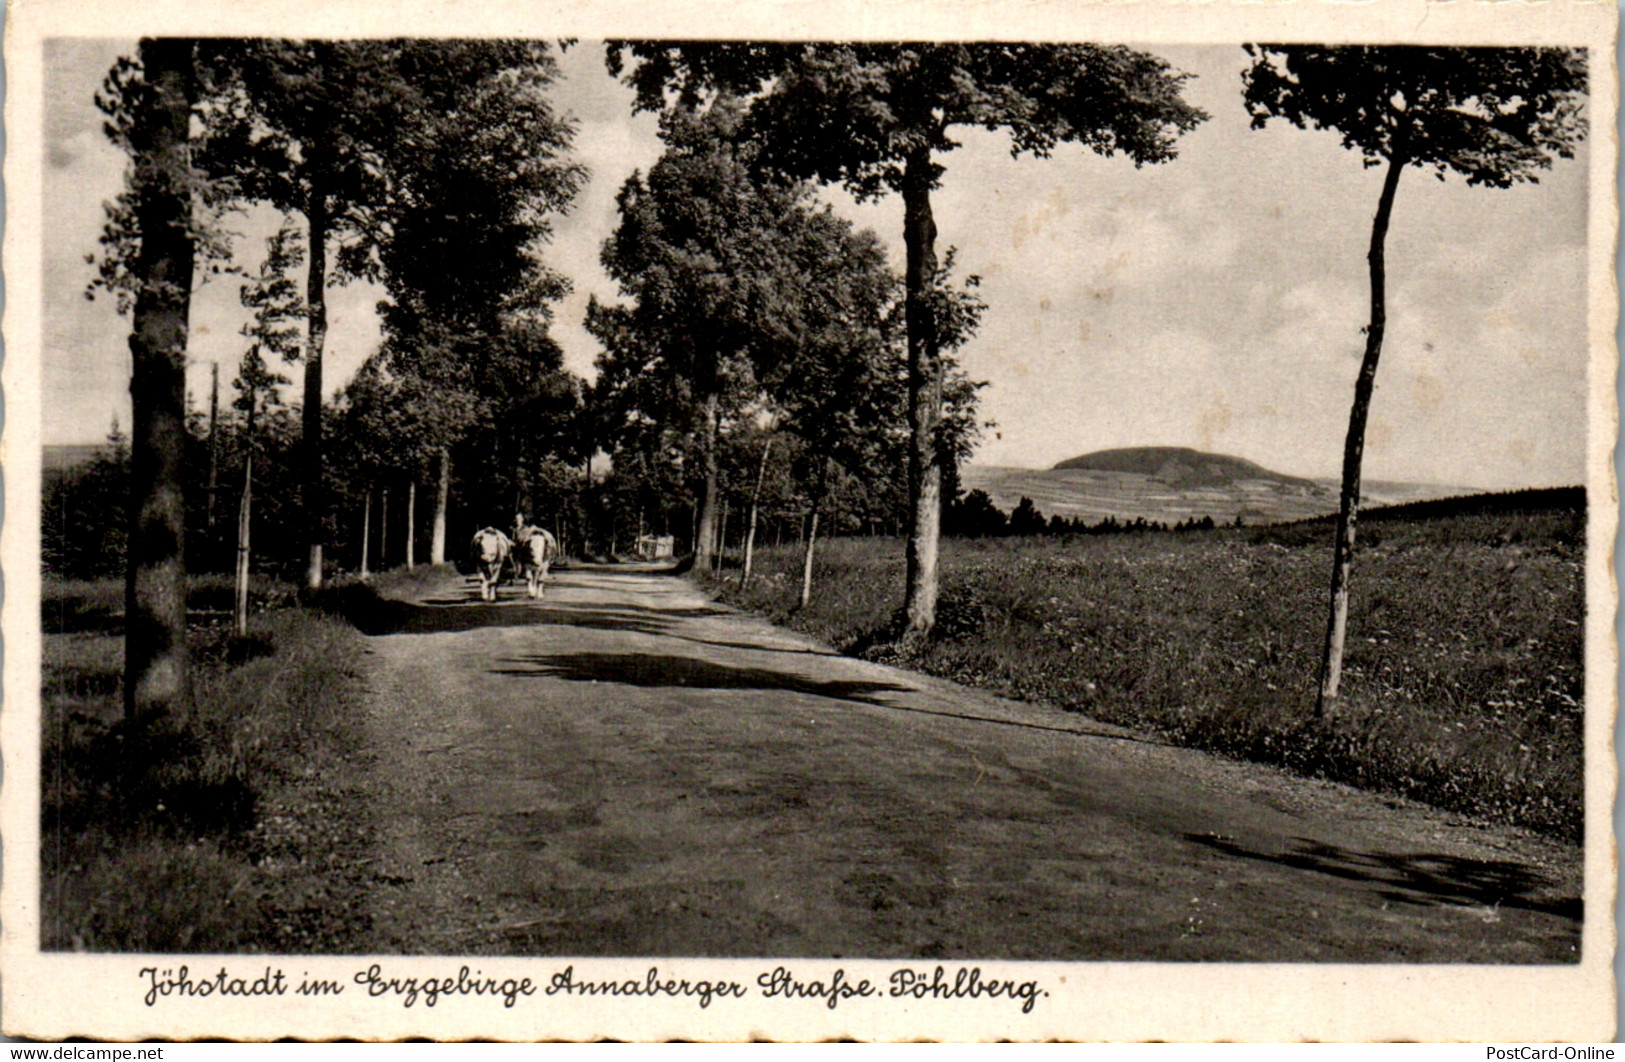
[
  {"x": 222, "y": 829},
  {"x": 1463, "y": 680}
]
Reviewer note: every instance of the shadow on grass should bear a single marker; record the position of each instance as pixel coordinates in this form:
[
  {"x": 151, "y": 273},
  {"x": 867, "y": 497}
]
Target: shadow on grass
[
  {"x": 1426, "y": 880},
  {"x": 652, "y": 671},
  {"x": 147, "y": 775},
  {"x": 74, "y": 607},
  {"x": 75, "y": 616}
]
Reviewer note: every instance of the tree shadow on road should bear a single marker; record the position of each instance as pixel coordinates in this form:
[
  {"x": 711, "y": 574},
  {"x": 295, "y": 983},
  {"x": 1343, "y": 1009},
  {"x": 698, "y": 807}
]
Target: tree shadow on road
[
  {"x": 1426, "y": 880},
  {"x": 373, "y": 614},
  {"x": 655, "y": 671}
]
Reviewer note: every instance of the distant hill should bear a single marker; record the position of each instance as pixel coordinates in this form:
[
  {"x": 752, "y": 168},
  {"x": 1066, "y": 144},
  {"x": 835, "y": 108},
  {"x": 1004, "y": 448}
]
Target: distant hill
[
  {"x": 1171, "y": 484},
  {"x": 1179, "y": 466},
  {"x": 60, "y": 457}
]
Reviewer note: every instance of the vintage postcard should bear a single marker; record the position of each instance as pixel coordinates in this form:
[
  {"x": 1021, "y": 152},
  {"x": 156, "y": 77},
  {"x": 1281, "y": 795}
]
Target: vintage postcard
[{"x": 888, "y": 520}]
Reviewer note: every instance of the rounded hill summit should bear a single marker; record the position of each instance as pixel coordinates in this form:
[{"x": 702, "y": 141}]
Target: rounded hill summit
[{"x": 1178, "y": 466}]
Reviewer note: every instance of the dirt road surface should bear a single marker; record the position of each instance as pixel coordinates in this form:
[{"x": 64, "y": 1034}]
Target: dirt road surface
[{"x": 626, "y": 768}]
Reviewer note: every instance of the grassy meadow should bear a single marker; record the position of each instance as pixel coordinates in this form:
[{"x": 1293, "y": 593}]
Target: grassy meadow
[
  {"x": 1095, "y": 494},
  {"x": 231, "y": 828},
  {"x": 1463, "y": 682}
]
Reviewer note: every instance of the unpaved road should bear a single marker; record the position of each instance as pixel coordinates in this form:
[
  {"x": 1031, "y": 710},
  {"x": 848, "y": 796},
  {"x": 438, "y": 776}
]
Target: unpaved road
[{"x": 628, "y": 769}]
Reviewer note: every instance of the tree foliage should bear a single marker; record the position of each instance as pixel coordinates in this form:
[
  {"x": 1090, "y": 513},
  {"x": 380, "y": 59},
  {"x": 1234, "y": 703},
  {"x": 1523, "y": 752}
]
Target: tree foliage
[
  {"x": 741, "y": 292},
  {"x": 876, "y": 118},
  {"x": 1496, "y": 116},
  {"x": 706, "y": 252},
  {"x": 122, "y": 99},
  {"x": 487, "y": 171},
  {"x": 274, "y": 327}
]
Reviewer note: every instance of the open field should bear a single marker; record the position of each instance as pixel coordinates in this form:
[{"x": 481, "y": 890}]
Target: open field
[
  {"x": 1463, "y": 681},
  {"x": 1095, "y": 494}
]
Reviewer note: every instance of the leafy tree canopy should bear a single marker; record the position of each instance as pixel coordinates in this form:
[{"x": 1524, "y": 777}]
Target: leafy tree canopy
[
  {"x": 1497, "y": 116},
  {"x": 275, "y": 327},
  {"x": 710, "y": 252},
  {"x": 890, "y": 99},
  {"x": 485, "y": 171}
]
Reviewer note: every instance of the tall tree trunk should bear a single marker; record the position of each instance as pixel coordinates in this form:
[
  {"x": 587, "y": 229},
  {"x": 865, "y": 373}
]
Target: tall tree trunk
[
  {"x": 383, "y": 530},
  {"x": 311, "y": 442},
  {"x": 705, "y": 534},
  {"x": 755, "y": 509},
  {"x": 924, "y": 395},
  {"x": 214, "y": 455},
  {"x": 411, "y": 524},
  {"x": 1348, "y": 510},
  {"x": 366, "y": 532},
  {"x": 442, "y": 497},
  {"x": 155, "y": 664}
]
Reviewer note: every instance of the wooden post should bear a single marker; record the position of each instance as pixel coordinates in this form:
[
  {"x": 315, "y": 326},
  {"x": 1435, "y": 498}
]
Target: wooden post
[
  {"x": 1348, "y": 513},
  {"x": 244, "y": 556},
  {"x": 214, "y": 454},
  {"x": 366, "y": 531},
  {"x": 807, "y": 561}
]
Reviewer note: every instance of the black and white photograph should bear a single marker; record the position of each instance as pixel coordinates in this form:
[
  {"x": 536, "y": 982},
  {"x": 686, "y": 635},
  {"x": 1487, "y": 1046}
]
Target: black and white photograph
[{"x": 532, "y": 523}]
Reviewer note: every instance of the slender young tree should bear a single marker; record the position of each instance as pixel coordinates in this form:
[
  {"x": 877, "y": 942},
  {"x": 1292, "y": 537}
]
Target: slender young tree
[
  {"x": 214, "y": 451},
  {"x": 411, "y": 528},
  {"x": 383, "y": 529},
  {"x": 756, "y": 506},
  {"x": 1495, "y": 116},
  {"x": 274, "y": 298},
  {"x": 847, "y": 400},
  {"x": 876, "y": 118},
  {"x": 366, "y": 532}
]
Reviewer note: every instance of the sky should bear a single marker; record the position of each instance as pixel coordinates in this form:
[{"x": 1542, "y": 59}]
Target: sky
[{"x": 1215, "y": 301}]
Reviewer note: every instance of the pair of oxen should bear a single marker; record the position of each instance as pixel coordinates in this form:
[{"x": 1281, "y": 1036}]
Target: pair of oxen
[{"x": 529, "y": 551}]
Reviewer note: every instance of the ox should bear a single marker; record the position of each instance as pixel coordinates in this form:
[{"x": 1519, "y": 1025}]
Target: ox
[
  {"x": 491, "y": 549},
  {"x": 536, "y": 550}
]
